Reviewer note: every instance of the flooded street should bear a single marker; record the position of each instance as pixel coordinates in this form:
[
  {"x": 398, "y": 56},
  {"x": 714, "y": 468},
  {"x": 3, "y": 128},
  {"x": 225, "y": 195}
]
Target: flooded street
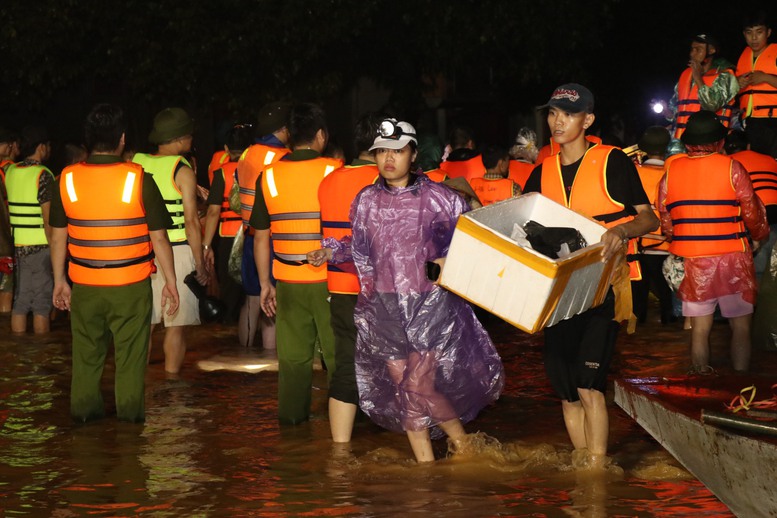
[{"x": 211, "y": 445}]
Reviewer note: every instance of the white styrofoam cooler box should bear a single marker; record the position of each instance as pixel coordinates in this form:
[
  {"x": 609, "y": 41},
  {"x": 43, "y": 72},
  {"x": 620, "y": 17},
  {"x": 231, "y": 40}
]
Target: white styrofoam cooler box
[{"x": 518, "y": 284}]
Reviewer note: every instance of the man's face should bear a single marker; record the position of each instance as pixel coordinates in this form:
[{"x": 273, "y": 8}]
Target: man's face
[
  {"x": 566, "y": 127},
  {"x": 757, "y": 37},
  {"x": 698, "y": 51}
]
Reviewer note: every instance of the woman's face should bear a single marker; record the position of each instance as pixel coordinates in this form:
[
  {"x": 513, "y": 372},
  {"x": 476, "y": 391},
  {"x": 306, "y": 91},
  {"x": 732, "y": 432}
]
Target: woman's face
[{"x": 394, "y": 164}]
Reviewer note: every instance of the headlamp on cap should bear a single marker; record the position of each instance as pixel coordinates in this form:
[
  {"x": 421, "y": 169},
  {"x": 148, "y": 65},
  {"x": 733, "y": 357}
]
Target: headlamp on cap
[{"x": 389, "y": 128}]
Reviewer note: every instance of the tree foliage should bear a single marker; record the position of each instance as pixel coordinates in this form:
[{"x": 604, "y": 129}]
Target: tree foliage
[{"x": 241, "y": 53}]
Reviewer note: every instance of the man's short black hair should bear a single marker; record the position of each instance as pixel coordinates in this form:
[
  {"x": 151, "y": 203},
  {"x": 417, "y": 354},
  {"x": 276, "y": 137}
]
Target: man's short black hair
[
  {"x": 492, "y": 154},
  {"x": 104, "y": 127},
  {"x": 239, "y": 137},
  {"x": 459, "y": 136},
  {"x": 755, "y": 18},
  {"x": 365, "y": 131},
  {"x": 33, "y": 136},
  {"x": 305, "y": 119}
]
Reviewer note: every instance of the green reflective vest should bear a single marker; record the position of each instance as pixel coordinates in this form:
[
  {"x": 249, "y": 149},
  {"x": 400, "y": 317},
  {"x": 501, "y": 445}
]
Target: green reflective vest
[
  {"x": 163, "y": 168},
  {"x": 21, "y": 183}
]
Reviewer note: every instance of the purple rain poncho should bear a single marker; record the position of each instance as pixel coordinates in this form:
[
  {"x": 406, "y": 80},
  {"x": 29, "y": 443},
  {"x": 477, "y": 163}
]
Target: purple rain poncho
[{"x": 422, "y": 357}]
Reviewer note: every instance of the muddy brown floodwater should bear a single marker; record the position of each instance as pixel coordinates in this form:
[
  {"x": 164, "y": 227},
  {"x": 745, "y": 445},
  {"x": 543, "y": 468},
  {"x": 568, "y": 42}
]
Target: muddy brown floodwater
[{"x": 211, "y": 444}]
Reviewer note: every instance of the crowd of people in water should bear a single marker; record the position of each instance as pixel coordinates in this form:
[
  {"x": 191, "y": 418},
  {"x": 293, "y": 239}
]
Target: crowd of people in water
[{"x": 307, "y": 255}]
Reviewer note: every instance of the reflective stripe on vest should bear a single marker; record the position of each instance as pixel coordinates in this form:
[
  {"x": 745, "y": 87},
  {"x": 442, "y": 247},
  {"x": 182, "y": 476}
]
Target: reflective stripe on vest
[
  {"x": 26, "y": 216},
  {"x": 163, "y": 170},
  {"x": 706, "y": 216},
  {"x": 252, "y": 162},
  {"x": 758, "y": 100},
  {"x": 589, "y": 195},
  {"x": 763, "y": 174},
  {"x": 688, "y": 99},
  {"x": 290, "y": 190},
  {"x": 108, "y": 239},
  {"x": 335, "y": 195},
  {"x": 229, "y": 220}
]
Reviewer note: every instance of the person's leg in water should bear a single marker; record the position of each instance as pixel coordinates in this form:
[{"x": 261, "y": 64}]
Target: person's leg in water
[{"x": 422, "y": 383}]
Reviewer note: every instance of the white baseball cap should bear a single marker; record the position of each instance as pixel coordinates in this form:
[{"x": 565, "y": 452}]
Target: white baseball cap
[{"x": 393, "y": 134}]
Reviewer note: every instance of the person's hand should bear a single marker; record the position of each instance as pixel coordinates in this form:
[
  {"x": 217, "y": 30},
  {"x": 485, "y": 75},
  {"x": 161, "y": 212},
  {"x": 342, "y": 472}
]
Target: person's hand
[
  {"x": 201, "y": 273},
  {"x": 267, "y": 300},
  {"x": 615, "y": 241},
  {"x": 319, "y": 257},
  {"x": 170, "y": 298},
  {"x": 745, "y": 80},
  {"x": 202, "y": 192},
  {"x": 209, "y": 258},
  {"x": 61, "y": 296}
]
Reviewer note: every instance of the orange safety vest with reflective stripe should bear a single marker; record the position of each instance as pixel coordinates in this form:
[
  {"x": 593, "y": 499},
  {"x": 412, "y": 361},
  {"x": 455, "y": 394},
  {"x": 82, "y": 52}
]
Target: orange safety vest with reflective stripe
[
  {"x": 520, "y": 171},
  {"x": 491, "y": 191},
  {"x": 763, "y": 174},
  {"x": 252, "y": 162},
  {"x": 335, "y": 195},
  {"x": 758, "y": 100},
  {"x": 218, "y": 159},
  {"x": 290, "y": 190},
  {"x": 108, "y": 237},
  {"x": 688, "y": 99},
  {"x": 468, "y": 169},
  {"x": 589, "y": 195},
  {"x": 706, "y": 216},
  {"x": 229, "y": 220},
  {"x": 650, "y": 176},
  {"x": 436, "y": 175},
  {"x": 552, "y": 148}
]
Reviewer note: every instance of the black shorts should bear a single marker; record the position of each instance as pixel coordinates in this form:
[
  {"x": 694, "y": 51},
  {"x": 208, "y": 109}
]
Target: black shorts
[{"x": 578, "y": 350}]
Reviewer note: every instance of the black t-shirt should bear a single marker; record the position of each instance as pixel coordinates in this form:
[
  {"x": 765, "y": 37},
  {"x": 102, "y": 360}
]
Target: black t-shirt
[{"x": 623, "y": 183}]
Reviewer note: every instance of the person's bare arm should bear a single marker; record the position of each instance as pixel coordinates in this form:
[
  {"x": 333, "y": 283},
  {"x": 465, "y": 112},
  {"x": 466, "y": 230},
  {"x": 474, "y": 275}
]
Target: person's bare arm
[
  {"x": 58, "y": 248},
  {"x": 263, "y": 267},
  {"x": 645, "y": 221},
  {"x": 164, "y": 258},
  {"x": 187, "y": 184}
]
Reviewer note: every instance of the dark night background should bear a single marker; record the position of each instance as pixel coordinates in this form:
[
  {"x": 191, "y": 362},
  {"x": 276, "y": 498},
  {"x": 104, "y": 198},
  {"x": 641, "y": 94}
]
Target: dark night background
[{"x": 486, "y": 63}]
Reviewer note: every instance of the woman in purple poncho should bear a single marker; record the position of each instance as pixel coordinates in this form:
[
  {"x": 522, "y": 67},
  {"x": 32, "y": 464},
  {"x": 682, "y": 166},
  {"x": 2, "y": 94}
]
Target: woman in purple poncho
[{"x": 423, "y": 361}]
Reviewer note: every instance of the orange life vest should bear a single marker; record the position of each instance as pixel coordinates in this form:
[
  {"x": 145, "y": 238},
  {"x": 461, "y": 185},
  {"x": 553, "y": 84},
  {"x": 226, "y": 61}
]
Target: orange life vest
[
  {"x": 763, "y": 174},
  {"x": 650, "y": 176},
  {"x": 290, "y": 190},
  {"x": 468, "y": 169},
  {"x": 492, "y": 191},
  {"x": 108, "y": 237},
  {"x": 436, "y": 175},
  {"x": 758, "y": 100},
  {"x": 229, "y": 220},
  {"x": 589, "y": 195},
  {"x": 706, "y": 216},
  {"x": 335, "y": 195},
  {"x": 218, "y": 159},
  {"x": 520, "y": 171},
  {"x": 252, "y": 162},
  {"x": 688, "y": 99},
  {"x": 552, "y": 148}
]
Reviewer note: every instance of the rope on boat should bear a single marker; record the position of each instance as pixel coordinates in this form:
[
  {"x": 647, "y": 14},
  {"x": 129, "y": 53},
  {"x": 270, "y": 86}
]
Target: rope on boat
[{"x": 744, "y": 401}]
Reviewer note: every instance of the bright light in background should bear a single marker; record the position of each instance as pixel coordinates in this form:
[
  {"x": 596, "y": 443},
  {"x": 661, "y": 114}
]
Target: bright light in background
[{"x": 657, "y": 106}]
